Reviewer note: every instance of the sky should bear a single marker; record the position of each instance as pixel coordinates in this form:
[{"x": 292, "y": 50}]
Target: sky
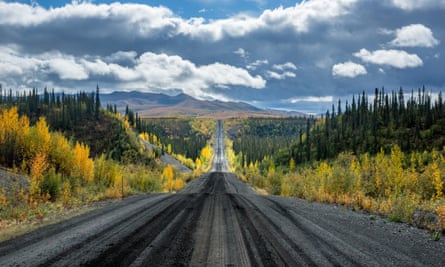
[{"x": 293, "y": 55}]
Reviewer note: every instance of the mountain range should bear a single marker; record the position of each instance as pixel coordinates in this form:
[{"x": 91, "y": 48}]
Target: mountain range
[{"x": 161, "y": 105}]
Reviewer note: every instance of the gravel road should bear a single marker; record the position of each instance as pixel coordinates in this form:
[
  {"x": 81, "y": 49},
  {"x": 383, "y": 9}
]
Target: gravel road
[{"x": 217, "y": 220}]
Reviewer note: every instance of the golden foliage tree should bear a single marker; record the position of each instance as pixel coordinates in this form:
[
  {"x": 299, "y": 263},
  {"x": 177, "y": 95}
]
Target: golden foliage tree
[
  {"x": 61, "y": 154},
  {"x": 206, "y": 153},
  {"x": 13, "y": 131},
  {"x": 291, "y": 164},
  {"x": 83, "y": 165},
  {"x": 37, "y": 168},
  {"x": 198, "y": 163},
  {"x": 179, "y": 184},
  {"x": 169, "y": 175}
]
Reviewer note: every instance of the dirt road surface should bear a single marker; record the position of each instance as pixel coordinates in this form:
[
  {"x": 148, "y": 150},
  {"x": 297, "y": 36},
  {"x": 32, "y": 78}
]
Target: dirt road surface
[{"x": 218, "y": 220}]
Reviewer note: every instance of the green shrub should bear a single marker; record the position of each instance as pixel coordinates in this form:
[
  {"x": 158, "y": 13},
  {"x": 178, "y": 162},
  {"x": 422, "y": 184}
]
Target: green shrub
[{"x": 51, "y": 184}]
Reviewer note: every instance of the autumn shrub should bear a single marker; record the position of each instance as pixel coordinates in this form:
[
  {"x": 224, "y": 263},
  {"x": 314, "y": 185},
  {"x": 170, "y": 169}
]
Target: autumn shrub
[
  {"x": 66, "y": 194},
  {"x": 143, "y": 179},
  {"x": 179, "y": 184},
  {"x": 119, "y": 187},
  {"x": 105, "y": 171},
  {"x": 402, "y": 208},
  {"x": 51, "y": 184},
  {"x": 273, "y": 181},
  {"x": 83, "y": 166},
  {"x": 168, "y": 175}
]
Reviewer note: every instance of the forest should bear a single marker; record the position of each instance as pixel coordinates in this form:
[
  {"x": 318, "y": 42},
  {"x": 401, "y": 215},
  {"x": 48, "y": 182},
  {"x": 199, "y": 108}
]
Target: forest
[
  {"x": 68, "y": 151},
  {"x": 383, "y": 154},
  {"x": 257, "y": 138}
]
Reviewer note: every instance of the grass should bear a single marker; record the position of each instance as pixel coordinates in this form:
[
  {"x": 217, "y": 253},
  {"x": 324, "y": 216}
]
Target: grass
[{"x": 10, "y": 229}]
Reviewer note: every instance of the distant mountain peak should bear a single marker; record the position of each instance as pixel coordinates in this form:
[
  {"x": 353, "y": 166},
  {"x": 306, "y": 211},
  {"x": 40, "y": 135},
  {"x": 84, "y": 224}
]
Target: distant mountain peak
[{"x": 162, "y": 105}]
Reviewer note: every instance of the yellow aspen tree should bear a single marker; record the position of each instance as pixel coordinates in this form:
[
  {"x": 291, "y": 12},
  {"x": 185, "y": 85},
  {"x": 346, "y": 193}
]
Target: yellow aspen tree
[
  {"x": 291, "y": 164},
  {"x": 144, "y": 136},
  {"x": 324, "y": 173},
  {"x": 169, "y": 149},
  {"x": 13, "y": 130},
  {"x": 179, "y": 184},
  {"x": 379, "y": 172},
  {"x": 37, "y": 168},
  {"x": 43, "y": 137},
  {"x": 198, "y": 163},
  {"x": 168, "y": 175},
  {"x": 206, "y": 153},
  {"x": 154, "y": 139},
  {"x": 61, "y": 153},
  {"x": 83, "y": 165},
  {"x": 396, "y": 170},
  {"x": 118, "y": 182}
]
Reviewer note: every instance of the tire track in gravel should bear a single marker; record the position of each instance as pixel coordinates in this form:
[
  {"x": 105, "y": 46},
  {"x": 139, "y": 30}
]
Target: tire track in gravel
[{"x": 270, "y": 245}]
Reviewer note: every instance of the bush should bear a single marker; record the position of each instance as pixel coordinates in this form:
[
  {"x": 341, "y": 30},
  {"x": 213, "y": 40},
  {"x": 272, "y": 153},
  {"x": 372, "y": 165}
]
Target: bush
[{"x": 51, "y": 184}]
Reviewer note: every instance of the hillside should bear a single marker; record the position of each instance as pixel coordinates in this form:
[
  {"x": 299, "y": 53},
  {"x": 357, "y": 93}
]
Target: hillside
[{"x": 161, "y": 105}]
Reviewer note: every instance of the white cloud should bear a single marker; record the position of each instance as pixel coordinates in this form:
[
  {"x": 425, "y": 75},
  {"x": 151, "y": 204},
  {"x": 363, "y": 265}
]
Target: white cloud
[
  {"x": 410, "y": 5},
  {"x": 303, "y": 14},
  {"x": 100, "y": 68},
  {"x": 143, "y": 19},
  {"x": 285, "y": 66},
  {"x": 385, "y": 31},
  {"x": 172, "y": 72},
  {"x": 299, "y": 18},
  {"x": 394, "y": 58},
  {"x": 241, "y": 52},
  {"x": 147, "y": 21},
  {"x": 348, "y": 69},
  {"x": 414, "y": 35},
  {"x": 280, "y": 76},
  {"x": 223, "y": 74},
  {"x": 9, "y": 69},
  {"x": 311, "y": 99},
  {"x": 150, "y": 71},
  {"x": 285, "y": 69},
  {"x": 67, "y": 69},
  {"x": 254, "y": 65}
]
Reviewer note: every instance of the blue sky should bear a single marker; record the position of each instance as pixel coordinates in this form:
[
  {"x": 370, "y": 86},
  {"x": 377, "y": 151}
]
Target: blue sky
[{"x": 298, "y": 55}]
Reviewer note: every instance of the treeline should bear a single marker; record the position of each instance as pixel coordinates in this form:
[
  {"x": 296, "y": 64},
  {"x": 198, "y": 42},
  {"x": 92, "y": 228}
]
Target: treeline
[
  {"x": 384, "y": 154},
  {"x": 63, "y": 111},
  {"x": 181, "y": 136},
  {"x": 416, "y": 123},
  {"x": 255, "y": 139},
  {"x": 78, "y": 116}
]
